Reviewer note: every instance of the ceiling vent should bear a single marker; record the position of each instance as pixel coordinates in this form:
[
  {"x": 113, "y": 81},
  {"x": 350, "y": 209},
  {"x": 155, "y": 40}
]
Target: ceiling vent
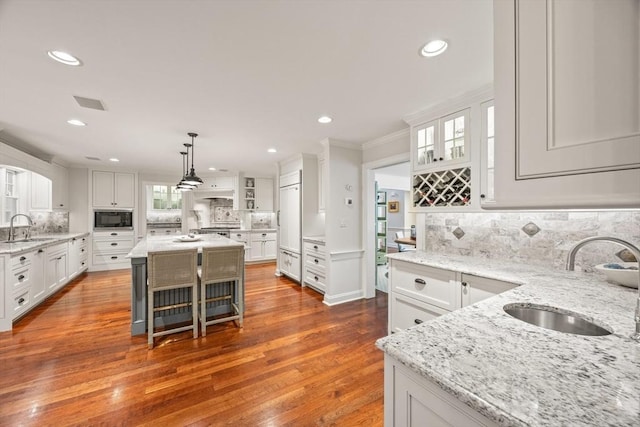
[{"x": 94, "y": 104}]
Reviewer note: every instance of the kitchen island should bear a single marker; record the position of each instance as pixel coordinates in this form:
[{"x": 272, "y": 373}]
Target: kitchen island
[
  {"x": 138, "y": 256},
  {"x": 492, "y": 369}
]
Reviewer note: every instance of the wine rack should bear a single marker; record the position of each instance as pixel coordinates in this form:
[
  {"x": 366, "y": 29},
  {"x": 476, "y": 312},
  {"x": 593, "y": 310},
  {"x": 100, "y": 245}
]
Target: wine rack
[{"x": 442, "y": 188}]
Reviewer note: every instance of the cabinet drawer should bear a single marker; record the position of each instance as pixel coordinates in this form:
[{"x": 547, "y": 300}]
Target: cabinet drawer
[
  {"x": 19, "y": 278},
  {"x": 100, "y": 235},
  {"x": 314, "y": 248},
  {"x": 315, "y": 280},
  {"x": 407, "y": 312},
  {"x": 315, "y": 262},
  {"x": 427, "y": 284},
  {"x": 239, "y": 236},
  {"x": 21, "y": 302},
  {"x": 113, "y": 245},
  {"x": 109, "y": 258},
  {"x": 20, "y": 261},
  {"x": 259, "y": 237}
]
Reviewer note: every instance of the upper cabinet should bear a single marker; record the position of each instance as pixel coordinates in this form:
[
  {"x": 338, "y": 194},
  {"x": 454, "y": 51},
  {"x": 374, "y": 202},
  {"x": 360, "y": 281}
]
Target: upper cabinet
[
  {"x": 113, "y": 190},
  {"x": 567, "y": 103},
  {"x": 219, "y": 183},
  {"x": 40, "y": 194},
  {"x": 257, "y": 194},
  {"x": 60, "y": 190},
  {"x": 441, "y": 142}
]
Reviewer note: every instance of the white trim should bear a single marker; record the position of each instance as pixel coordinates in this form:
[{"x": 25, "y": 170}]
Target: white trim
[
  {"x": 328, "y": 142},
  {"x": 346, "y": 255},
  {"x": 331, "y": 300},
  {"x": 386, "y": 139}
]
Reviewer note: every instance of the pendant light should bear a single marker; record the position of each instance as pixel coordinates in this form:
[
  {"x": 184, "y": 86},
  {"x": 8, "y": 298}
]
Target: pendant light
[
  {"x": 191, "y": 177},
  {"x": 182, "y": 186}
]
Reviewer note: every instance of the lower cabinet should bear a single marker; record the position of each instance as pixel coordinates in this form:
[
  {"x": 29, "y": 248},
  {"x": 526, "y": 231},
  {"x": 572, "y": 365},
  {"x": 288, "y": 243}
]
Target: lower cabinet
[
  {"x": 290, "y": 264},
  {"x": 412, "y": 400},
  {"x": 38, "y": 284},
  {"x": 315, "y": 265},
  {"x": 263, "y": 246},
  {"x": 243, "y": 237},
  {"x": 418, "y": 292},
  {"x": 57, "y": 267},
  {"x": 110, "y": 249},
  {"x": 78, "y": 256}
]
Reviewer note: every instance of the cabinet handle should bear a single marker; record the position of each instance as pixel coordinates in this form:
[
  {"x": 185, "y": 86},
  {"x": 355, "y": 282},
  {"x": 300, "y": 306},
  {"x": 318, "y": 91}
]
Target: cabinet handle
[
  {"x": 315, "y": 277},
  {"x": 59, "y": 258},
  {"x": 114, "y": 244},
  {"x": 22, "y": 258},
  {"x": 114, "y": 234},
  {"x": 114, "y": 257},
  {"x": 73, "y": 239},
  {"x": 21, "y": 277},
  {"x": 315, "y": 260},
  {"x": 464, "y": 284},
  {"x": 440, "y": 158},
  {"x": 482, "y": 196},
  {"x": 315, "y": 246},
  {"x": 20, "y": 301},
  {"x": 264, "y": 234},
  {"x": 417, "y": 321},
  {"x": 40, "y": 251},
  {"x": 420, "y": 281},
  {"x": 81, "y": 250}
]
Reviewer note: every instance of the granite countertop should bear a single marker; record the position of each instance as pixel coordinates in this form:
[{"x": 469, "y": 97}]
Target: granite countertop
[
  {"x": 519, "y": 374},
  {"x": 316, "y": 239},
  {"x": 18, "y": 247},
  {"x": 170, "y": 243}
]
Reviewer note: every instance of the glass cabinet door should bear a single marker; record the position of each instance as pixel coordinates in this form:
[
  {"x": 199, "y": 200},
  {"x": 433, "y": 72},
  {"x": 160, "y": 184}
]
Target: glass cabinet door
[{"x": 425, "y": 145}]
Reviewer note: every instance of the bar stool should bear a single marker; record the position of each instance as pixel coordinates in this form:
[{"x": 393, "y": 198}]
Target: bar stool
[
  {"x": 172, "y": 270},
  {"x": 220, "y": 266}
]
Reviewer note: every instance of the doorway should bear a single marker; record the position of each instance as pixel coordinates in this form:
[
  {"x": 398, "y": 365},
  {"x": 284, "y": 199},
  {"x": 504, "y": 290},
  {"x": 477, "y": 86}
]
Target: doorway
[{"x": 392, "y": 216}]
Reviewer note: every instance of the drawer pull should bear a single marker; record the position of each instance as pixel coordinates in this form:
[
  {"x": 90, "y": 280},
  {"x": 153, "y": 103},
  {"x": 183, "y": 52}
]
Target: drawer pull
[
  {"x": 114, "y": 244},
  {"x": 417, "y": 321},
  {"x": 114, "y": 257},
  {"x": 21, "y": 301},
  {"x": 21, "y": 277},
  {"x": 315, "y": 260},
  {"x": 22, "y": 258},
  {"x": 114, "y": 234},
  {"x": 40, "y": 251},
  {"x": 81, "y": 250},
  {"x": 315, "y": 277},
  {"x": 315, "y": 246},
  {"x": 264, "y": 234},
  {"x": 420, "y": 281},
  {"x": 464, "y": 284}
]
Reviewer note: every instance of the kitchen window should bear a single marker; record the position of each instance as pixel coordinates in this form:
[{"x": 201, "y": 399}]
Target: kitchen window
[
  {"x": 166, "y": 197},
  {"x": 10, "y": 200}
]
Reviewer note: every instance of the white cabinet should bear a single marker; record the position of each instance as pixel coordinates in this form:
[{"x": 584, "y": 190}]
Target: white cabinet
[
  {"x": 110, "y": 248},
  {"x": 290, "y": 264},
  {"x": 244, "y": 238},
  {"x": 567, "y": 128},
  {"x": 264, "y": 194},
  {"x": 218, "y": 183},
  {"x": 40, "y": 194},
  {"x": 263, "y": 246},
  {"x": 419, "y": 293},
  {"x": 57, "y": 272},
  {"x": 475, "y": 289},
  {"x": 19, "y": 283},
  {"x": 60, "y": 187},
  {"x": 38, "y": 283},
  {"x": 412, "y": 400},
  {"x": 78, "y": 256},
  {"x": 441, "y": 142},
  {"x": 113, "y": 190},
  {"x": 315, "y": 265}
]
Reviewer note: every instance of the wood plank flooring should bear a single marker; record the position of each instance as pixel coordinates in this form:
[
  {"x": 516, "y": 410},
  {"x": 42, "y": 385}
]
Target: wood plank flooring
[{"x": 296, "y": 362}]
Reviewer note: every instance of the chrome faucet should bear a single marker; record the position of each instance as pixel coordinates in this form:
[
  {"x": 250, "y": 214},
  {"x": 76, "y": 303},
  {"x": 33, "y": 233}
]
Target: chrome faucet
[
  {"x": 12, "y": 232},
  {"x": 571, "y": 262}
]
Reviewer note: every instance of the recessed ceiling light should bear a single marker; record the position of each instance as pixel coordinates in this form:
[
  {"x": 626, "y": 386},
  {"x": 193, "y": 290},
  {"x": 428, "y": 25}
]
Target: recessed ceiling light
[
  {"x": 113, "y": 159},
  {"x": 64, "y": 57},
  {"x": 325, "y": 119},
  {"x": 212, "y": 169},
  {"x": 433, "y": 48},
  {"x": 272, "y": 150},
  {"x": 76, "y": 122}
]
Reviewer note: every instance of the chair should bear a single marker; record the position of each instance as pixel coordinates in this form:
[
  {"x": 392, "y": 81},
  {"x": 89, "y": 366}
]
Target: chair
[
  {"x": 401, "y": 246},
  {"x": 171, "y": 270},
  {"x": 221, "y": 283}
]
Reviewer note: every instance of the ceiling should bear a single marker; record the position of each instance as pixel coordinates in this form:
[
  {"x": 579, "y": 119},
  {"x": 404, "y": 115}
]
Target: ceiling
[{"x": 245, "y": 75}]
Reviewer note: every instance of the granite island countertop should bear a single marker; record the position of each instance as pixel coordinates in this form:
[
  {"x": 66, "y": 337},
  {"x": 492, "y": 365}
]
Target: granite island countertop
[
  {"x": 519, "y": 374},
  {"x": 17, "y": 247},
  {"x": 170, "y": 243}
]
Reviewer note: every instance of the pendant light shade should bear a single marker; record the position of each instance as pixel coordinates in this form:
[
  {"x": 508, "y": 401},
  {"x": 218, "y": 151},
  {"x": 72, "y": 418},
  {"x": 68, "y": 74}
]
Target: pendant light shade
[
  {"x": 182, "y": 186},
  {"x": 191, "y": 177}
]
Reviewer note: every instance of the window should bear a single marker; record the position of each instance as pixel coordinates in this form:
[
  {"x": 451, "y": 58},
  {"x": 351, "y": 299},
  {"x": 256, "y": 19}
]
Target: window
[
  {"x": 10, "y": 201},
  {"x": 166, "y": 197}
]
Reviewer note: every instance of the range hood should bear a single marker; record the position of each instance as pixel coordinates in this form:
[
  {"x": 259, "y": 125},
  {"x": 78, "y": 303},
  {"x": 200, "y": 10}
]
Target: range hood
[{"x": 211, "y": 193}]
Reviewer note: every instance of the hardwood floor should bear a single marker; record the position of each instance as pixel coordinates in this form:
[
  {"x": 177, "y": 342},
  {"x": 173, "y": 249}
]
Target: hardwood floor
[{"x": 296, "y": 362}]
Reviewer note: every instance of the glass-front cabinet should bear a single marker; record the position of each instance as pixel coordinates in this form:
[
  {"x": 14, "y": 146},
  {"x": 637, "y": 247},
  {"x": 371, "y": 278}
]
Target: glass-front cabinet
[{"x": 441, "y": 142}]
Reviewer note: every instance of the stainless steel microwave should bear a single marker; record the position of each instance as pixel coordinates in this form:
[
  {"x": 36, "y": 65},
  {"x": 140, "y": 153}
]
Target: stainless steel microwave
[{"x": 108, "y": 219}]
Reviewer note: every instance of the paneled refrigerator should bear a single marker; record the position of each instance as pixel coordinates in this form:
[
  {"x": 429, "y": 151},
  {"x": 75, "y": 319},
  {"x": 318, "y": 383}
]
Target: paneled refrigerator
[{"x": 290, "y": 225}]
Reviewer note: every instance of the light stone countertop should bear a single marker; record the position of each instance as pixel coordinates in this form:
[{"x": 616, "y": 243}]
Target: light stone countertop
[
  {"x": 519, "y": 374},
  {"x": 171, "y": 243},
  {"x": 18, "y": 247}
]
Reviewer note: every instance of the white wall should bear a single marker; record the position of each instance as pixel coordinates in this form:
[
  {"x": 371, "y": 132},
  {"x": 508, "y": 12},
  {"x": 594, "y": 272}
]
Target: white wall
[{"x": 387, "y": 146}]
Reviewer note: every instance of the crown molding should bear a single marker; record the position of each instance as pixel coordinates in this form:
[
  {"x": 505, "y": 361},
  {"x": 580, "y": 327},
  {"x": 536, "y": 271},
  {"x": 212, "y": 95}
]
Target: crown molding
[{"x": 383, "y": 140}]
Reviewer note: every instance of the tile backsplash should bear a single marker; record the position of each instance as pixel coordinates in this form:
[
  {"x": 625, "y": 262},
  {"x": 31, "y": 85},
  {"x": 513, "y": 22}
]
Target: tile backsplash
[
  {"x": 43, "y": 222},
  {"x": 538, "y": 238}
]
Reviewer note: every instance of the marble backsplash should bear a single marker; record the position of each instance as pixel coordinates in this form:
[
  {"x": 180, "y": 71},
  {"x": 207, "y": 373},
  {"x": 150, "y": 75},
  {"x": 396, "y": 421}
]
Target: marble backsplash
[
  {"x": 537, "y": 238},
  {"x": 43, "y": 223}
]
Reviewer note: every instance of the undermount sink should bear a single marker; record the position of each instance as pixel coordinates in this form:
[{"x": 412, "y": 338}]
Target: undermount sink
[
  {"x": 31, "y": 239},
  {"x": 550, "y": 318}
]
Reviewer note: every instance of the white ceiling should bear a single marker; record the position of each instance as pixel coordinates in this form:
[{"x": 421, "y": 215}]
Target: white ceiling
[{"x": 245, "y": 75}]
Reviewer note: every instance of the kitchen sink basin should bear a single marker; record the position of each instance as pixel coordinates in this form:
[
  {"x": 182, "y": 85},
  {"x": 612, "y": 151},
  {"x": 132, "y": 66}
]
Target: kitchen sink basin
[
  {"x": 31, "y": 239},
  {"x": 550, "y": 318}
]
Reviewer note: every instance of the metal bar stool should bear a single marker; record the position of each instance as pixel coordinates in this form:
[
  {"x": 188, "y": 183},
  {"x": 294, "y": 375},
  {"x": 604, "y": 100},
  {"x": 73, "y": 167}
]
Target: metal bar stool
[
  {"x": 171, "y": 270},
  {"x": 221, "y": 280}
]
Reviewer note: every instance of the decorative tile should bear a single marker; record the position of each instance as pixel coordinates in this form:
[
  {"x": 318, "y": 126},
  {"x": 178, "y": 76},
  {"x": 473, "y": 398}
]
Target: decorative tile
[
  {"x": 530, "y": 229},
  {"x": 458, "y": 232}
]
